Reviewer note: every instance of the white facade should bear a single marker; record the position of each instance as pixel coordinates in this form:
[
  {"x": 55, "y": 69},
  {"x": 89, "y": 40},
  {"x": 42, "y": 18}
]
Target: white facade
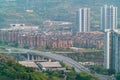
[
  {"x": 115, "y": 53},
  {"x": 112, "y": 50},
  {"x": 83, "y": 19},
  {"x": 108, "y": 17},
  {"x": 107, "y": 49}
]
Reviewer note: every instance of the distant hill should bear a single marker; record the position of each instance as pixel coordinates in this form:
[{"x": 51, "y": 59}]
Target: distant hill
[{"x": 19, "y": 11}]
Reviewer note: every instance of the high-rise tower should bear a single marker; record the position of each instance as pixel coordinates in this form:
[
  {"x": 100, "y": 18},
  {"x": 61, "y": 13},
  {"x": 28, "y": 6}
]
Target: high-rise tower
[
  {"x": 112, "y": 50},
  {"x": 107, "y": 48},
  {"x": 108, "y": 17},
  {"x": 83, "y": 19},
  {"x": 115, "y": 51}
]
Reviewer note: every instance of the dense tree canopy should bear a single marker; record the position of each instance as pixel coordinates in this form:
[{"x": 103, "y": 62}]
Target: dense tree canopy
[{"x": 10, "y": 70}]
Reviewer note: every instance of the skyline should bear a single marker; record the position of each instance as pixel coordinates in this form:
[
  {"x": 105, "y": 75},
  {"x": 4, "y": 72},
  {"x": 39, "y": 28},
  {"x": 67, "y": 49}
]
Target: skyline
[
  {"x": 109, "y": 17},
  {"x": 83, "y": 19},
  {"x": 85, "y": 34}
]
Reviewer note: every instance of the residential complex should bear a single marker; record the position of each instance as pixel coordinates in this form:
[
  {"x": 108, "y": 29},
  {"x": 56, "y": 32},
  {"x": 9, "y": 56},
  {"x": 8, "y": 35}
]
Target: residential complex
[
  {"x": 53, "y": 39},
  {"x": 36, "y": 39},
  {"x": 108, "y": 17},
  {"x": 83, "y": 19},
  {"x": 89, "y": 40}
]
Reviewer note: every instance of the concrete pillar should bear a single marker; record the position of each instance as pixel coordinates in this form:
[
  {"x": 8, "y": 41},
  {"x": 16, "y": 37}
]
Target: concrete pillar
[
  {"x": 49, "y": 60},
  {"x": 32, "y": 56},
  {"x": 37, "y": 58},
  {"x": 42, "y": 58},
  {"x": 28, "y": 57}
]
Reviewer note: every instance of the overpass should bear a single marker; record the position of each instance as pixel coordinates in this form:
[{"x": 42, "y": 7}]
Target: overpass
[{"x": 77, "y": 66}]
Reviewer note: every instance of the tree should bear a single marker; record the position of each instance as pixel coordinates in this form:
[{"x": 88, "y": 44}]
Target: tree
[
  {"x": 117, "y": 76},
  {"x": 85, "y": 76}
]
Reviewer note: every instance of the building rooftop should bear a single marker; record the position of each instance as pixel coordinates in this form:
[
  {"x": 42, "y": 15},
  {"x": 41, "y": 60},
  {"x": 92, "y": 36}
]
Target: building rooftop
[
  {"x": 21, "y": 27},
  {"x": 28, "y": 64},
  {"x": 50, "y": 64},
  {"x": 117, "y": 31}
]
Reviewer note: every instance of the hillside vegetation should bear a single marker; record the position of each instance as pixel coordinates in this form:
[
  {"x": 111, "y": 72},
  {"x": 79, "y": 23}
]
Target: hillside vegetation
[
  {"x": 11, "y": 70},
  {"x": 15, "y": 11}
]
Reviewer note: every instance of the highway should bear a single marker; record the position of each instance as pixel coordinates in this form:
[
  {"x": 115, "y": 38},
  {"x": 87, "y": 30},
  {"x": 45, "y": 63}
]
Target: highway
[{"x": 77, "y": 66}]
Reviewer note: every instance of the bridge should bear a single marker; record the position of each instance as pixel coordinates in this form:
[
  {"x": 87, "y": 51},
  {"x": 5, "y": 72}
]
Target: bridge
[{"x": 37, "y": 55}]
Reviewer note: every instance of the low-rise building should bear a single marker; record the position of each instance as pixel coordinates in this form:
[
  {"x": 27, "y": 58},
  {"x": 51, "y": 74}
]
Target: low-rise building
[
  {"x": 50, "y": 66},
  {"x": 54, "y": 39},
  {"x": 30, "y": 64},
  {"x": 89, "y": 40}
]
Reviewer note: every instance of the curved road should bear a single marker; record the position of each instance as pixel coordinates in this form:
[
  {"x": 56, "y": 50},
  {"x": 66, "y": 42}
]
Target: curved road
[{"x": 78, "y": 67}]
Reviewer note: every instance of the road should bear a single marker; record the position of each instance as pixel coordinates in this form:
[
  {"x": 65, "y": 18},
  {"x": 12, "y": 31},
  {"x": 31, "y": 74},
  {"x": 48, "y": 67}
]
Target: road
[{"x": 78, "y": 67}]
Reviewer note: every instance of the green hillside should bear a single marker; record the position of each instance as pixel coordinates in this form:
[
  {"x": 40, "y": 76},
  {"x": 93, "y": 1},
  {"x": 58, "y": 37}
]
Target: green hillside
[
  {"x": 11, "y": 70},
  {"x": 14, "y": 11}
]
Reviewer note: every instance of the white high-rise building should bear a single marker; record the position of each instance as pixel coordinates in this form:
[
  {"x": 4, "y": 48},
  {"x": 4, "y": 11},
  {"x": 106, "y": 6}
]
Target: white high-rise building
[
  {"x": 112, "y": 50},
  {"x": 108, "y": 17},
  {"x": 107, "y": 49},
  {"x": 83, "y": 19},
  {"x": 115, "y": 51}
]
